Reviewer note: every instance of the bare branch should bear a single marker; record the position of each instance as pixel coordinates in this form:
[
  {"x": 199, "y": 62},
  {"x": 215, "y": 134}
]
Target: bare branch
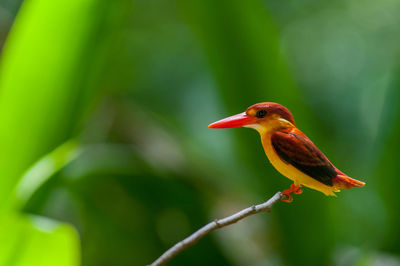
[{"x": 218, "y": 223}]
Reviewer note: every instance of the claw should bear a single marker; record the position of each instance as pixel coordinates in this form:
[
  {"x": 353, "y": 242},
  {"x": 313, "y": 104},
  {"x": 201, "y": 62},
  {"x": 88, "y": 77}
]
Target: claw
[
  {"x": 293, "y": 189},
  {"x": 289, "y": 198}
]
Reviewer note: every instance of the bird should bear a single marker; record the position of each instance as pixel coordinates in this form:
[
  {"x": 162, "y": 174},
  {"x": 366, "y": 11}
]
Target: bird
[{"x": 290, "y": 151}]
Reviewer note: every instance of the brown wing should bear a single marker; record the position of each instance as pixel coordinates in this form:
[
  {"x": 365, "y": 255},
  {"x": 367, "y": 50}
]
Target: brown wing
[{"x": 295, "y": 148}]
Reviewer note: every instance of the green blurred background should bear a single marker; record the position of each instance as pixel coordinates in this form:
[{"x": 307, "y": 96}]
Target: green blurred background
[{"x": 106, "y": 158}]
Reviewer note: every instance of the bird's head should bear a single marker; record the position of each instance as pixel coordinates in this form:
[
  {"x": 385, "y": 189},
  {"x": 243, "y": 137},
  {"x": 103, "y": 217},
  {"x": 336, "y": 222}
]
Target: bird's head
[{"x": 263, "y": 117}]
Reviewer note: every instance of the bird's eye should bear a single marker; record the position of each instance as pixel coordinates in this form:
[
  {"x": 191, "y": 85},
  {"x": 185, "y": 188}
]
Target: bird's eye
[{"x": 261, "y": 113}]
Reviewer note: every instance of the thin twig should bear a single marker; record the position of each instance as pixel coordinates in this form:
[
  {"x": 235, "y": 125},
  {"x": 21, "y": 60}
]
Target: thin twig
[{"x": 218, "y": 223}]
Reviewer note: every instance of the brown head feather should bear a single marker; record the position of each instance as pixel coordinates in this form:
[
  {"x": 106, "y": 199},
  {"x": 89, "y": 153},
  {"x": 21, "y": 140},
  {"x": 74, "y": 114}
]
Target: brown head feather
[{"x": 273, "y": 108}]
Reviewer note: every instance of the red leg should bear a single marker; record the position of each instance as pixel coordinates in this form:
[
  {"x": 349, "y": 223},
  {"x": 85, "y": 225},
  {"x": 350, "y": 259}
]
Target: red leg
[
  {"x": 293, "y": 189},
  {"x": 298, "y": 189}
]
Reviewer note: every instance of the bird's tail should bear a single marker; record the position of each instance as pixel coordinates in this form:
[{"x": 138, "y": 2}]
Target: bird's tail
[{"x": 343, "y": 181}]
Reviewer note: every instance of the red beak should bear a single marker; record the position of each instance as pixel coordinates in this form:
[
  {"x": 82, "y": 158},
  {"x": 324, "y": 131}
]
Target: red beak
[{"x": 238, "y": 120}]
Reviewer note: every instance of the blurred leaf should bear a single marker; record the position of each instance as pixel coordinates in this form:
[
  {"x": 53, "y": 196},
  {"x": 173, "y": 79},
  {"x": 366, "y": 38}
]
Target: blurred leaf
[
  {"x": 47, "y": 75},
  {"x": 33, "y": 240},
  {"x": 44, "y": 169}
]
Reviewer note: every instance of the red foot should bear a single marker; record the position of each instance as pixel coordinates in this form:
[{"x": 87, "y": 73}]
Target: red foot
[{"x": 293, "y": 189}]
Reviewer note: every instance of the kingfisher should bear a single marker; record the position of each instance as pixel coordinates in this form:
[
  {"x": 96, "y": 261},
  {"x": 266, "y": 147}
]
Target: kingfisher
[{"x": 290, "y": 151}]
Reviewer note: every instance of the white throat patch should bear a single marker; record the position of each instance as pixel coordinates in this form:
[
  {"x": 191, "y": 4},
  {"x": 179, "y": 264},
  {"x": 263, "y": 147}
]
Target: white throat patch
[{"x": 257, "y": 127}]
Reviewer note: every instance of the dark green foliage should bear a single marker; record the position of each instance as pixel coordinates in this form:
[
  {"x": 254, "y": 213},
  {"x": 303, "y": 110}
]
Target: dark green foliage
[{"x": 126, "y": 90}]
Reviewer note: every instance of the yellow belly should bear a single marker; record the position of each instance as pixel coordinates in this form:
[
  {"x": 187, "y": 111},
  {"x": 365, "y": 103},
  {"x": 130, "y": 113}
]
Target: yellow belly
[{"x": 289, "y": 171}]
